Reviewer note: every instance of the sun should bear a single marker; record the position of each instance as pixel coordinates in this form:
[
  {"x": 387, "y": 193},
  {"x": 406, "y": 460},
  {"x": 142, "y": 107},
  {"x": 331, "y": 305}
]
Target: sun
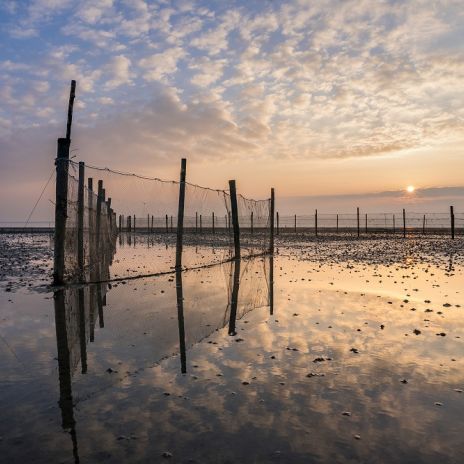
[{"x": 410, "y": 188}]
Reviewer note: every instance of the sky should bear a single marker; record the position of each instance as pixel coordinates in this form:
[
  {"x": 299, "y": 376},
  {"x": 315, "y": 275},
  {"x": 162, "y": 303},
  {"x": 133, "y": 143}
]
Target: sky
[{"x": 338, "y": 103}]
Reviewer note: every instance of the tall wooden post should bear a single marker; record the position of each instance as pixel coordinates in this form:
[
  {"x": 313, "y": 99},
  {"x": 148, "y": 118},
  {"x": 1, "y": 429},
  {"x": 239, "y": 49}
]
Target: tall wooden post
[
  {"x": 315, "y": 222},
  {"x": 134, "y": 225},
  {"x": 234, "y": 299},
  {"x": 452, "y": 221},
  {"x": 271, "y": 284},
  {"x": 180, "y": 321},
  {"x": 120, "y": 223},
  {"x": 167, "y": 224},
  {"x": 129, "y": 223},
  {"x": 337, "y": 223},
  {"x": 357, "y": 219},
  {"x": 213, "y": 224},
  {"x": 251, "y": 222},
  {"x": 180, "y": 214},
  {"x": 294, "y": 224},
  {"x": 152, "y": 219},
  {"x": 271, "y": 214},
  {"x": 61, "y": 194},
  {"x": 404, "y": 223},
  {"x": 234, "y": 207},
  {"x": 98, "y": 214},
  {"x": 80, "y": 221}
]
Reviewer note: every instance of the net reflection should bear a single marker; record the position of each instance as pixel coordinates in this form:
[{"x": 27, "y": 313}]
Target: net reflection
[{"x": 248, "y": 286}]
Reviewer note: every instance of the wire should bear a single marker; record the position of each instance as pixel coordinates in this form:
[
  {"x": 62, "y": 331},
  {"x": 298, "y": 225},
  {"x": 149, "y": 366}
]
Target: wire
[{"x": 40, "y": 197}]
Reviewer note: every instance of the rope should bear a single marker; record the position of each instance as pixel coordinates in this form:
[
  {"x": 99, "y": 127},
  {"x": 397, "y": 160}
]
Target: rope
[{"x": 40, "y": 197}]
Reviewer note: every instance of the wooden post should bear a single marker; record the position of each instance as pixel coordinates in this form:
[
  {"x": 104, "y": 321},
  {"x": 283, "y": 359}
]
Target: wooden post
[
  {"x": 180, "y": 214},
  {"x": 180, "y": 321},
  {"x": 357, "y": 219},
  {"x": 129, "y": 223},
  {"x": 315, "y": 222},
  {"x": 423, "y": 225},
  {"x": 109, "y": 212},
  {"x": 404, "y": 223},
  {"x": 277, "y": 219},
  {"x": 271, "y": 284},
  {"x": 234, "y": 207},
  {"x": 452, "y": 221},
  {"x": 366, "y": 225},
  {"x": 80, "y": 221},
  {"x": 251, "y": 222},
  {"x": 134, "y": 223},
  {"x": 271, "y": 214},
  {"x": 120, "y": 223},
  {"x": 98, "y": 218},
  {"x": 61, "y": 194},
  {"x": 167, "y": 224},
  {"x": 294, "y": 223},
  {"x": 234, "y": 299},
  {"x": 337, "y": 223},
  {"x": 213, "y": 225},
  {"x": 152, "y": 219}
]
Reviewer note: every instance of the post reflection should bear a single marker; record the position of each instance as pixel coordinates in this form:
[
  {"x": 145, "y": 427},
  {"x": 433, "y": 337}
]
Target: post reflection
[{"x": 248, "y": 285}]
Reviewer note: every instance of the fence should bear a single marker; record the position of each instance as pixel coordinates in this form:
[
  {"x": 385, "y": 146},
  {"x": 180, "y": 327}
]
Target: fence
[{"x": 404, "y": 222}]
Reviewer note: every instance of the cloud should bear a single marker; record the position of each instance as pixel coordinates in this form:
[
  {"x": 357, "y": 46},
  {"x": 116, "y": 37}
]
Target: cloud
[
  {"x": 118, "y": 69},
  {"x": 159, "y": 66}
]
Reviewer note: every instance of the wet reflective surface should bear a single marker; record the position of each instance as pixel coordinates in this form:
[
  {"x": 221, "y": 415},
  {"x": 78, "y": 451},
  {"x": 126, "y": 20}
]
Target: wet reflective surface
[{"x": 313, "y": 356}]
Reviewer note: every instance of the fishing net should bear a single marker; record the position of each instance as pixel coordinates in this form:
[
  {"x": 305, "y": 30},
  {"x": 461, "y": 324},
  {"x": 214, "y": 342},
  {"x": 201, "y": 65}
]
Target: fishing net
[{"x": 146, "y": 226}]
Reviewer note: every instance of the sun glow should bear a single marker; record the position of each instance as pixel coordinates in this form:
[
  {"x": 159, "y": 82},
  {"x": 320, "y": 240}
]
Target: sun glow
[{"x": 410, "y": 188}]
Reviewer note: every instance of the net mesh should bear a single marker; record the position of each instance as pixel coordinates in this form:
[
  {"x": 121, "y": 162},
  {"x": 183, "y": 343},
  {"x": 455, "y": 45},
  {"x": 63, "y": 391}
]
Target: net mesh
[{"x": 141, "y": 239}]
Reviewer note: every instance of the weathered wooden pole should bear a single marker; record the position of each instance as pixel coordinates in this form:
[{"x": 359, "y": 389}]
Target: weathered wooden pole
[
  {"x": 180, "y": 321},
  {"x": 452, "y": 221},
  {"x": 251, "y": 222},
  {"x": 109, "y": 212},
  {"x": 357, "y": 219},
  {"x": 180, "y": 214},
  {"x": 61, "y": 194},
  {"x": 167, "y": 224},
  {"x": 423, "y": 225},
  {"x": 134, "y": 223},
  {"x": 152, "y": 220},
  {"x": 337, "y": 223},
  {"x": 271, "y": 214},
  {"x": 98, "y": 214},
  {"x": 271, "y": 284},
  {"x": 234, "y": 299},
  {"x": 129, "y": 223},
  {"x": 80, "y": 221},
  {"x": 236, "y": 226},
  {"x": 214, "y": 231},
  {"x": 294, "y": 223},
  {"x": 315, "y": 222},
  {"x": 404, "y": 223}
]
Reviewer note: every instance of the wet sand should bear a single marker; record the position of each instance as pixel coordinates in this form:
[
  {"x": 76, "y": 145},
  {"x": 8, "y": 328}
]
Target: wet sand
[{"x": 354, "y": 354}]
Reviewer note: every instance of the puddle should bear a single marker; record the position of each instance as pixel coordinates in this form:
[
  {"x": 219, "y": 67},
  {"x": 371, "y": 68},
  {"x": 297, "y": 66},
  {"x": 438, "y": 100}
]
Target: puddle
[{"x": 313, "y": 356}]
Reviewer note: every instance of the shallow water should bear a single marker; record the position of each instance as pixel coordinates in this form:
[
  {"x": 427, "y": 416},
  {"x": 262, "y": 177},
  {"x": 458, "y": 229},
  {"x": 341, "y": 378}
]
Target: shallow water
[{"x": 327, "y": 360}]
